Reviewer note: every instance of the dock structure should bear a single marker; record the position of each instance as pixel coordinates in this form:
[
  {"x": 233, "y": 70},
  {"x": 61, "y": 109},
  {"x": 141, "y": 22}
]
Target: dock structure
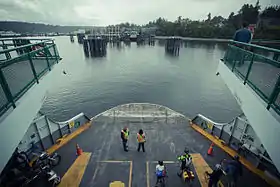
[
  {"x": 72, "y": 38},
  {"x": 172, "y": 46},
  {"x": 151, "y": 40},
  {"x": 81, "y": 37},
  {"x": 95, "y": 46}
]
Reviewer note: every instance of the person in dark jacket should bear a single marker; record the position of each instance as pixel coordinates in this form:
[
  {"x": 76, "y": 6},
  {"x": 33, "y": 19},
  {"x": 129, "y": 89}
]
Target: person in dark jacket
[
  {"x": 243, "y": 35},
  {"x": 215, "y": 176},
  {"x": 124, "y": 137},
  {"x": 234, "y": 170}
]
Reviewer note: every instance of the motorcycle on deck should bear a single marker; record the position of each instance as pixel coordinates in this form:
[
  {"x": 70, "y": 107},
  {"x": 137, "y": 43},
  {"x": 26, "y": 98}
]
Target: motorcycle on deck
[
  {"x": 44, "y": 158},
  {"x": 42, "y": 173}
]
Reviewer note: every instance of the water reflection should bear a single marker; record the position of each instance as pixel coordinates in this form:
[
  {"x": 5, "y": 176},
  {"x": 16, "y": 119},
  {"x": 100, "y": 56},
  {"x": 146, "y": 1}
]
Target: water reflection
[{"x": 186, "y": 83}]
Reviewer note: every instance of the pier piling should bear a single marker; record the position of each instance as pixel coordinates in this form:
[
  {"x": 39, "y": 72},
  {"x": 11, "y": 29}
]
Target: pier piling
[
  {"x": 172, "y": 46},
  {"x": 71, "y": 38},
  {"x": 81, "y": 37},
  {"x": 95, "y": 47}
]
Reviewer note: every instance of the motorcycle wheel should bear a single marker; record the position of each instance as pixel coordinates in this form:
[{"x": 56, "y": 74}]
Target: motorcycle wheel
[
  {"x": 56, "y": 181},
  {"x": 55, "y": 160}
]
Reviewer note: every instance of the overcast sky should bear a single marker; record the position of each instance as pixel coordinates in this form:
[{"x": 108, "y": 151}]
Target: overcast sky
[{"x": 104, "y": 12}]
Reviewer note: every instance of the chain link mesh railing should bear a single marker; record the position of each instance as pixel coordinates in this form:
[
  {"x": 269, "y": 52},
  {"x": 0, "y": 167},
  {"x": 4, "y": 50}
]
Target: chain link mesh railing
[
  {"x": 3, "y": 99},
  {"x": 19, "y": 73},
  {"x": 258, "y": 67},
  {"x": 264, "y": 75}
]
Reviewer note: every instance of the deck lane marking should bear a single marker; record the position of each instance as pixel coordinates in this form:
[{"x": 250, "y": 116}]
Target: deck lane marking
[
  {"x": 117, "y": 184},
  {"x": 74, "y": 175},
  {"x": 130, "y": 174},
  {"x": 147, "y": 174},
  {"x": 201, "y": 167}
]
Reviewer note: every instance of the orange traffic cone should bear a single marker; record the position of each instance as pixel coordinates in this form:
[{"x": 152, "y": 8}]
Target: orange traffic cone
[
  {"x": 79, "y": 150},
  {"x": 210, "y": 150}
]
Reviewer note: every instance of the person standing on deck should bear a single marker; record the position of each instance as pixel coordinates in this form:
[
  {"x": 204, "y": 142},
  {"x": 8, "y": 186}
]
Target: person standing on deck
[
  {"x": 186, "y": 160},
  {"x": 124, "y": 136},
  {"x": 243, "y": 35},
  {"x": 141, "y": 140},
  {"x": 233, "y": 170},
  {"x": 215, "y": 176}
]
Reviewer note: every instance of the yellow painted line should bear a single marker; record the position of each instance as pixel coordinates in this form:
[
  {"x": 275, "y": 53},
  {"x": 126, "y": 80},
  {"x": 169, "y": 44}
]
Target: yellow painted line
[
  {"x": 232, "y": 153},
  {"x": 130, "y": 174},
  {"x": 201, "y": 167},
  {"x": 117, "y": 184},
  {"x": 66, "y": 139},
  {"x": 74, "y": 175},
  {"x": 115, "y": 161},
  {"x": 147, "y": 174}
]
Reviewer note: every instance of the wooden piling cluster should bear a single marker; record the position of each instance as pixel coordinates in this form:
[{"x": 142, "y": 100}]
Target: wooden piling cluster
[
  {"x": 81, "y": 37},
  {"x": 140, "y": 39},
  {"x": 72, "y": 38},
  {"x": 151, "y": 40},
  {"x": 172, "y": 46},
  {"x": 95, "y": 47}
]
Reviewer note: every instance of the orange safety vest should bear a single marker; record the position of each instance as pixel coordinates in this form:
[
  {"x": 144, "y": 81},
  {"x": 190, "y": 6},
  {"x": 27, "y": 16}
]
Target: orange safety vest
[{"x": 141, "y": 138}]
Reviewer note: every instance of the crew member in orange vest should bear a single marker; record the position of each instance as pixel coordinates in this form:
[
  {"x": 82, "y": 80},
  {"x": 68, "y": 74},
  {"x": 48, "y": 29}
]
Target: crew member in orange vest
[{"x": 141, "y": 140}]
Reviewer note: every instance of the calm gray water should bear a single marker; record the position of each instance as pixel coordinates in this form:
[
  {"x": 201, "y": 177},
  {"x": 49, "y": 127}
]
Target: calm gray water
[{"x": 187, "y": 83}]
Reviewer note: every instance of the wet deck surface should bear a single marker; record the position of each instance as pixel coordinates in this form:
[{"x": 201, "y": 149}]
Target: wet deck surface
[{"x": 165, "y": 141}]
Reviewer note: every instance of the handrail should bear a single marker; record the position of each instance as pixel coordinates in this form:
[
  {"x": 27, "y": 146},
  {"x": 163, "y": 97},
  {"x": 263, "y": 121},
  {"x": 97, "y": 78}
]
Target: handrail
[
  {"x": 256, "y": 46},
  {"x": 212, "y": 122},
  {"x": 20, "y": 38},
  {"x": 12, "y": 88},
  {"x": 10, "y": 61},
  {"x": 21, "y": 47},
  {"x": 248, "y": 65}
]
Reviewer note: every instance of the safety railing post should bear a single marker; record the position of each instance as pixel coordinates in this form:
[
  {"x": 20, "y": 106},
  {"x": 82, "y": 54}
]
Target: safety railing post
[
  {"x": 274, "y": 94},
  {"x": 226, "y": 54},
  {"x": 221, "y": 133},
  {"x": 55, "y": 54},
  {"x": 47, "y": 58},
  {"x": 33, "y": 68},
  {"x": 6, "y": 89},
  {"x": 249, "y": 69}
]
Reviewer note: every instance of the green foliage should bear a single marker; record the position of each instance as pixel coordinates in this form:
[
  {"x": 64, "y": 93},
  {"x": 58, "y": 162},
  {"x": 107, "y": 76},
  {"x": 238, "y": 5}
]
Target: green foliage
[{"x": 219, "y": 27}]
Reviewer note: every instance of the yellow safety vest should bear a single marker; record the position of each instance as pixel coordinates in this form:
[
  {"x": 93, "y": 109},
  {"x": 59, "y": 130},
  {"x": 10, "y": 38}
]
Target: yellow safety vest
[
  {"x": 126, "y": 134},
  {"x": 141, "y": 138}
]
